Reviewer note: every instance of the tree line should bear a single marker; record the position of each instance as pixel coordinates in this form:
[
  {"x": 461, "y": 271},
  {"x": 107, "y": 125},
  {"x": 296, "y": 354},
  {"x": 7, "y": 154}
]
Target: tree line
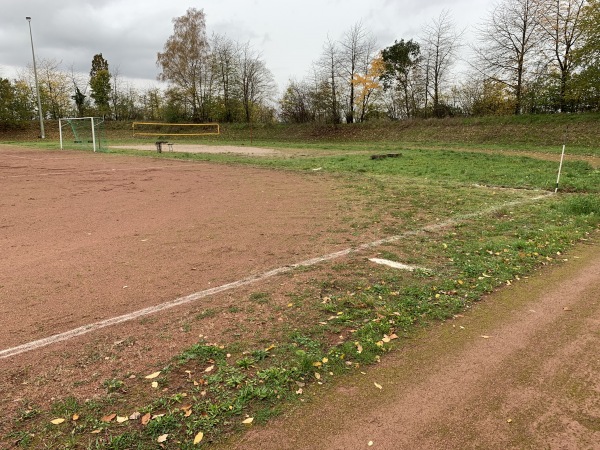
[{"x": 529, "y": 56}]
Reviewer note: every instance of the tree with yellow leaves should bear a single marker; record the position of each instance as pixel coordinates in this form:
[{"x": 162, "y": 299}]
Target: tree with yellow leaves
[{"x": 368, "y": 84}]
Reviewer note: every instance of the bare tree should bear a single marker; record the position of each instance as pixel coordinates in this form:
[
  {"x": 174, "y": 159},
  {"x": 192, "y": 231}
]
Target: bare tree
[
  {"x": 357, "y": 48},
  {"x": 327, "y": 71},
  {"x": 561, "y": 23},
  {"x": 224, "y": 65},
  {"x": 255, "y": 81},
  {"x": 441, "y": 43},
  {"x": 510, "y": 37}
]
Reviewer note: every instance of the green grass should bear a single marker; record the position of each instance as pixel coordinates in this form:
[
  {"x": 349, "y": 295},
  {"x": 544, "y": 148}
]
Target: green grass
[{"x": 348, "y": 314}]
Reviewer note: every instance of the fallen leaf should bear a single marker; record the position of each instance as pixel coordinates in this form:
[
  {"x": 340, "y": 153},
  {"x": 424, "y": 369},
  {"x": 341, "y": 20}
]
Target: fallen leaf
[
  {"x": 509, "y": 420},
  {"x": 198, "y": 438},
  {"x": 485, "y": 336},
  {"x": 248, "y": 421},
  {"x": 152, "y": 375},
  {"x": 317, "y": 364},
  {"x": 155, "y": 384},
  {"x": 359, "y": 348},
  {"x": 108, "y": 418},
  {"x": 325, "y": 360},
  {"x": 317, "y": 375},
  {"x": 378, "y": 386},
  {"x": 188, "y": 413},
  {"x": 299, "y": 391},
  {"x": 121, "y": 419},
  {"x": 370, "y": 443},
  {"x": 146, "y": 418},
  {"x": 386, "y": 338},
  {"x": 135, "y": 416},
  {"x": 57, "y": 421},
  {"x": 209, "y": 369},
  {"x": 75, "y": 417},
  {"x": 162, "y": 438},
  {"x": 96, "y": 431},
  {"x": 566, "y": 308},
  {"x": 186, "y": 407}
]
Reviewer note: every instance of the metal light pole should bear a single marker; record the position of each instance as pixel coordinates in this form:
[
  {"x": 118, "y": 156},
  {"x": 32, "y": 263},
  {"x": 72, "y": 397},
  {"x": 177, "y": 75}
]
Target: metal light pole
[{"x": 37, "y": 86}]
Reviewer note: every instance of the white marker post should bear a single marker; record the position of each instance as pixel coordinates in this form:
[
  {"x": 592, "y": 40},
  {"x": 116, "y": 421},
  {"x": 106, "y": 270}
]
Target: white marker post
[{"x": 562, "y": 158}]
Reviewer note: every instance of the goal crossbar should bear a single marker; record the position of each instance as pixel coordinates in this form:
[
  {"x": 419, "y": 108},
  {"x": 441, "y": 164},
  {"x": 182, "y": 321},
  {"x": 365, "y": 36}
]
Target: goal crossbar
[{"x": 138, "y": 129}]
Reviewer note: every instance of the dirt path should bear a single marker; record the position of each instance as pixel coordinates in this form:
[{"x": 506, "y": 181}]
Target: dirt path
[{"x": 519, "y": 371}]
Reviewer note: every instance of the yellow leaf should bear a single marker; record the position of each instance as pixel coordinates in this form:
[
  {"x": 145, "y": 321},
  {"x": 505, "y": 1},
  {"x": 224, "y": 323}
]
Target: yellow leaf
[
  {"x": 162, "y": 438},
  {"x": 325, "y": 360},
  {"x": 75, "y": 417},
  {"x": 57, "y": 421},
  {"x": 317, "y": 364},
  {"x": 152, "y": 375},
  {"x": 209, "y": 369},
  {"x": 359, "y": 348},
  {"x": 198, "y": 438},
  {"x": 108, "y": 418},
  {"x": 248, "y": 421},
  {"x": 146, "y": 418},
  {"x": 121, "y": 419}
]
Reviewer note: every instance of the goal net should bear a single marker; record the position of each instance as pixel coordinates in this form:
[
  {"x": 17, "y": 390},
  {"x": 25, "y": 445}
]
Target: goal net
[
  {"x": 158, "y": 130},
  {"x": 83, "y": 133}
]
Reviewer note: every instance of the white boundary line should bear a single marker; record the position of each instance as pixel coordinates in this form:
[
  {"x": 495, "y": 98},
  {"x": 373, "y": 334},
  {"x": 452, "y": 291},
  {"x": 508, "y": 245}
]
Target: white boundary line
[{"x": 34, "y": 345}]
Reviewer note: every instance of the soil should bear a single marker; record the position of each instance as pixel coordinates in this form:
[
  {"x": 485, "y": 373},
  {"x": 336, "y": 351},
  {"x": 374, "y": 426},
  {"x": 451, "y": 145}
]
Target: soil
[{"x": 519, "y": 371}]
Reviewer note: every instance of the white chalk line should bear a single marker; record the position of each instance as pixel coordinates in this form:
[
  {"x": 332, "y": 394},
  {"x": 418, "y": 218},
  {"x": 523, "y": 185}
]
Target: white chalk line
[{"x": 67, "y": 335}]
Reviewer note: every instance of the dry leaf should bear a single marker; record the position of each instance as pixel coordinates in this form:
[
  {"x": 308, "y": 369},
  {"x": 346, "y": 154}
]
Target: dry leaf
[
  {"x": 121, "y": 419},
  {"x": 135, "y": 416},
  {"x": 386, "y": 338},
  {"x": 155, "y": 384},
  {"x": 248, "y": 421},
  {"x": 299, "y": 391},
  {"x": 57, "y": 421},
  {"x": 188, "y": 413},
  {"x": 317, "y": 375},
  {"x": 485, "y": 337},
  {"x": 146, "y": 418},
  {"x": 198, "y": 438},
  {"x": 108, "y": 418},
  {"x": 378, "y": 386},
  {"x": 96, "y": 431},
  {"x": 209, "y": 369},
  {"x": 152, "y": 375},
  {"x": 75, "y": 417},
  {"x": 359, "y": 348},
  {"x": 186, "y": 407},
  {"x": 162, "y": 438}
]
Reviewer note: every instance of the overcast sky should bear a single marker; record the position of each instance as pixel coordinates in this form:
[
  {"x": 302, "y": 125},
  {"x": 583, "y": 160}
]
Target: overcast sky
[{"x": 289, "y": 34}]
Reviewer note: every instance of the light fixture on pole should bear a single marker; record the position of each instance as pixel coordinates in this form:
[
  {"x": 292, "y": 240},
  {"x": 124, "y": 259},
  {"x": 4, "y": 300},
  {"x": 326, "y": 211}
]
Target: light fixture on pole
[{"x": 37, "y": 87}]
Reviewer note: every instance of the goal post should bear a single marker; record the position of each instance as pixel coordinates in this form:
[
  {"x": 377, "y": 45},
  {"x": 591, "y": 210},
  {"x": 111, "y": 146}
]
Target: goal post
[
  {"x": 82, "y": 133},
  {"x": 157, "y": 129}
]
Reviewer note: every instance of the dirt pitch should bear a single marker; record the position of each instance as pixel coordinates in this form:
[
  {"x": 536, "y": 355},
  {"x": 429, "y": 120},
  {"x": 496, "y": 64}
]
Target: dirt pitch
[{"x": 87, "y": 237}]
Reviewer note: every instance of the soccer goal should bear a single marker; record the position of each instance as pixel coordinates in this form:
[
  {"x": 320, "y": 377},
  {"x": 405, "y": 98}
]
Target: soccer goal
[
  {"x": 157, "y": 129},
  {"x": 82, "y": 133}
]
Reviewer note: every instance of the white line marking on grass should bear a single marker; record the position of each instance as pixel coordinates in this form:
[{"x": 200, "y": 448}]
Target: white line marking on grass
[
  {"x": 396, "y": 265},
  {"x": 34, "y": 345}
]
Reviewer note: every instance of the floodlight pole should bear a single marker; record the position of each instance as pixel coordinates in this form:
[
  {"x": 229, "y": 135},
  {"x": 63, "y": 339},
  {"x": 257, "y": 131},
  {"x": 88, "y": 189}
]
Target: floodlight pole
[{"x": 37, "y": 86}]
